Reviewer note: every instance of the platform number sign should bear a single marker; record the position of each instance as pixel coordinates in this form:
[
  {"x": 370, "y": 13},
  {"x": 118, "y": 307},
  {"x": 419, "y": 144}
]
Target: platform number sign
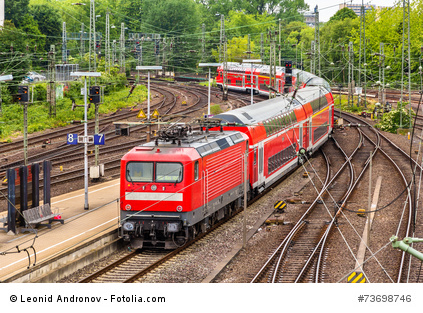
[
  {"x": 99, "y": 139},
  {"x": 72, "y": 139}
]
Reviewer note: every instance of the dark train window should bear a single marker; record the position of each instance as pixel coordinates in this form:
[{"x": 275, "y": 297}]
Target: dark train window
[
  {"x": 247, "y": 115},
  {"x": 223, "y": 143}
]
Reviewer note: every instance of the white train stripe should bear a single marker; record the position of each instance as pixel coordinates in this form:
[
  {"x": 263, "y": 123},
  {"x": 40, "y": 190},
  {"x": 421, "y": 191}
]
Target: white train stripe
[{"x": 154, "y": 196}]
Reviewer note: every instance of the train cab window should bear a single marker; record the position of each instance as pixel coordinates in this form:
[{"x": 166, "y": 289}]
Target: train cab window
[
  {"x": 255, "y": 156},
  {"x": 139, "y": 172},
  {"x": 169, "y": 172},
  {"x": 196, "y": 170}
]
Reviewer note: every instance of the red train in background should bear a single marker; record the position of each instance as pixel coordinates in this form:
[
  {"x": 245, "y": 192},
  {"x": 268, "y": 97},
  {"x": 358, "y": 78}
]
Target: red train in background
[
  {"x": 239, "y": 78},
  {"x": 183, "y": 182}
]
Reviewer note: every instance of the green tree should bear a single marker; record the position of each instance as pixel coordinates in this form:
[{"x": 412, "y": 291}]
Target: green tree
[
  {"x": 15, "y": 58},
  {"x": 15, "y": 10},
  {"x": 49, "y": 23},
  {"x": 342, "y": 14}
]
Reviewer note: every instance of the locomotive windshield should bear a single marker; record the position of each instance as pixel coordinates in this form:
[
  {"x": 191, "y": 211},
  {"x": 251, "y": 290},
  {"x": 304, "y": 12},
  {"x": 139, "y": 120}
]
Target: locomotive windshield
[
  {"x": 139, "y": 171},
  {"x": 148, "y": 172},
  {"x": 168, "y": 172}
]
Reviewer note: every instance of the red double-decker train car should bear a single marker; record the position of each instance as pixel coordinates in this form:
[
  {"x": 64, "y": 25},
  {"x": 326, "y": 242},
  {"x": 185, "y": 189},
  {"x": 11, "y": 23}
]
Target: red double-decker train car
[
  {"x": 183, "y": 182},
  {"x": 239, "y": 78}
]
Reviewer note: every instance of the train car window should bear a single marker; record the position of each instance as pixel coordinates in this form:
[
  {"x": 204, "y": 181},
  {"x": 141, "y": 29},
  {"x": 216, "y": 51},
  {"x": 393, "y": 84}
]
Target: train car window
[
  {"x": 169, "y": 172},
  {"x": 207, "y": 149},
  {"x": 236, "y": 137},
  {"x": 201, "y": 150},
  {"x": 223, "y": 143},
  {"x": 247, "y": 115},
  {"x": 196, "y": 170},
  {"x": 139, "y": 171},
  {"x": 230, "y": 118},
  {"x": 215, "y": 147}
]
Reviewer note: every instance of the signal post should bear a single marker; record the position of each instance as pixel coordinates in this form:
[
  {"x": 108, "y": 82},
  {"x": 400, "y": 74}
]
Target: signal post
[
  {"x": 148, "y": 68},
  {"x": 85, "y": 74}
]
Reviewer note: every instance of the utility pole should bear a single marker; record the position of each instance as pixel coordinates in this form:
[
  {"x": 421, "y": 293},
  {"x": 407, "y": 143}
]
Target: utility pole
[
  {"x": 122, "y": 49},
  {"x": 280, "y": 31},
  {"x": 93, "y": 37},
  {"x": 223, "y": 57},
  {"x": 225, "y": 70},
  {"x": 82, "y": 43},
  {"x": 222, "y": 32},
  {"x": 64, "y": 44},
  {"x": 261, "y": 47},
  {"x": 270, "y": 64},
  {"x": 203, "y": 42},
  {"x": 317, "y": 42},
  {"x": 383, "y": 73},
  {"x": 409, "y": 62},
  {"x": 107, "y": 52},
  {"x": 312, "y": 61},
  {"x": 51, "y": 87},
  {"x": 350, "y": 73}
]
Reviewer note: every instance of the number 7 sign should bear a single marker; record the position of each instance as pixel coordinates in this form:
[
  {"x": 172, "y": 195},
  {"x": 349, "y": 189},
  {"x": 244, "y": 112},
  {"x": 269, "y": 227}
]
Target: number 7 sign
[{"x": 99, "y": 139}]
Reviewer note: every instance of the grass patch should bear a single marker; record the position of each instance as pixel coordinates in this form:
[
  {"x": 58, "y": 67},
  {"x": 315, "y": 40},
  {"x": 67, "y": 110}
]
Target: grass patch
[{"x": 11, "y": 119}]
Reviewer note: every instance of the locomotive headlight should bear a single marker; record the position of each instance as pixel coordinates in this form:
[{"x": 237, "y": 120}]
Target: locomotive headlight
[
  {"x": 154, "y": 187},
  {"x": 128, "y": 226},
  {"x": 179, "y": 208},
  {"x": 128, "y": 207},
  {"x": 173, "y": 227}
]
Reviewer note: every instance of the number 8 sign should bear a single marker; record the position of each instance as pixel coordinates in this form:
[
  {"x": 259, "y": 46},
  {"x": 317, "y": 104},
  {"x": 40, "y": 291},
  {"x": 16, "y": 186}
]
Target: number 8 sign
[{"x": 72, "y": 139}]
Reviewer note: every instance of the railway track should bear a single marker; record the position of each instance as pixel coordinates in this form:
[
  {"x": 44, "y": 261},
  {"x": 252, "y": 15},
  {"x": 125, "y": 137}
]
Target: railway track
[
  {"x": 134, "y": 266},
  {"x": 295, "y": 256},
  {"x": 403, "y": 164},
  {"x": 301, "y": 256}
]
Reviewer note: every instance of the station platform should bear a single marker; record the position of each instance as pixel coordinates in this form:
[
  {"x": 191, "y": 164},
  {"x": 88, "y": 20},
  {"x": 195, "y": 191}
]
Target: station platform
[{"x": 79, "y": 227}]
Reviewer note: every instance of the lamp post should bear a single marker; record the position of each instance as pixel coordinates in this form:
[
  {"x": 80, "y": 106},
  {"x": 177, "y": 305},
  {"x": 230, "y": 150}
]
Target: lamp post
[
  {"x": 85, "y": 75},
  {"x": 209, "y": 65},
  {"x": 148, "y": 68},
  {"x": 251, "y": 77}
]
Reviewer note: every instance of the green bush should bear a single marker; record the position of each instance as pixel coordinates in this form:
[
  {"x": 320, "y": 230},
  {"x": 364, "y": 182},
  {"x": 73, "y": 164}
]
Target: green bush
[{"x": 395, "y": 119}]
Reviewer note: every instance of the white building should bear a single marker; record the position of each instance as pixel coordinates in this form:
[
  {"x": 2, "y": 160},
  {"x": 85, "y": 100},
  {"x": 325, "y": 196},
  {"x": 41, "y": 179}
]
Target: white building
[{"x": 1, "y": 13}]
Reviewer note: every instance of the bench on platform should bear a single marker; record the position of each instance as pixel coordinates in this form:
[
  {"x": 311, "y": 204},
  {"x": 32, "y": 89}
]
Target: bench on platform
[{"x": 35, "y": 216}]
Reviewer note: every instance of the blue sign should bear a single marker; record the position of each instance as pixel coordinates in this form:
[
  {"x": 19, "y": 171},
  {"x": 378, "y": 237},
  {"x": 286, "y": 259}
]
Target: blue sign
[
  {"x": 99, "y": 139},
  {"x": 72, "y": 139}
]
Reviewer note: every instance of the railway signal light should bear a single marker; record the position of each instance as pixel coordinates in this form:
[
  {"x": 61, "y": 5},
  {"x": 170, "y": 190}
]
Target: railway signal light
[
  {"x": 94, "y": 94},
  {"x": 288, "y": 67},
  {"x": 23, "y": 95}
]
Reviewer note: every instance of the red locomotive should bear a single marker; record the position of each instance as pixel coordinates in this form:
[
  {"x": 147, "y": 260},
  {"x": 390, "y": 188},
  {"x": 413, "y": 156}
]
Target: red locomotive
[
  {"x": 185, "y": 181},
  {"x": 239, "y": 78}
]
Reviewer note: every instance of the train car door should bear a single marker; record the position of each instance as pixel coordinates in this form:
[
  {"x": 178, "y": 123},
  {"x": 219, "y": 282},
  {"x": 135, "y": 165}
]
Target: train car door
[
  {"x": 304, "y": 135},
  {"x": 255, "y": 169},
  {"x": 260, "y": 179}
]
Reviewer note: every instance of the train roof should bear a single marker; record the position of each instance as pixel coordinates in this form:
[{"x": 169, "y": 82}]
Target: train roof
[
  {"x": 204, "y": 142},
  {"x": 242, "y": 67},
  {"x": 264, "y": 110}
]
